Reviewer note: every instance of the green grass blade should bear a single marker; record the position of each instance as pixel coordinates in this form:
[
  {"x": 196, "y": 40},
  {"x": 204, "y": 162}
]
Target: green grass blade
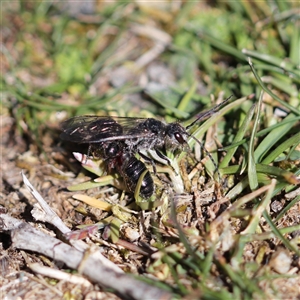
[
  {"x": 288, "y": 106},
  {"x": 294, "y": 140},
  {"x": 272, "y": 138},
  {"x": 206, "y": 37},
  {"x": 241, "y": 132},
  {"x": 270, "y": 60},
  {"x": 279, "y": 235},
  {"x": 187, "y": 97},
  {"x": 252, "y": 175},
  {"x": 212, "y": 120},
  {"x": 292, "y": 120}
]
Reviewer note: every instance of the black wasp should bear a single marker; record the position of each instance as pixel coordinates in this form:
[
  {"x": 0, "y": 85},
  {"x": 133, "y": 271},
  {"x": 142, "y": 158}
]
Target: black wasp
[{"x": 118, "y": 139}]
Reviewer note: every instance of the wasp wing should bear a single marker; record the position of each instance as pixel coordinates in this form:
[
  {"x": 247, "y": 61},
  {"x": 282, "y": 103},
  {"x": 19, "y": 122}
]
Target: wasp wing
[{"x": 97, "y": 129}]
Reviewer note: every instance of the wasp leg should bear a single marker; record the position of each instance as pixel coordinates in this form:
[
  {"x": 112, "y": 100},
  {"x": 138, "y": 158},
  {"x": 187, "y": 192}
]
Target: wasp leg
[
  {"x": 163, "y": 157},
  {"x": 88, "y": 154},
  {"x": 149, "y": 160}
]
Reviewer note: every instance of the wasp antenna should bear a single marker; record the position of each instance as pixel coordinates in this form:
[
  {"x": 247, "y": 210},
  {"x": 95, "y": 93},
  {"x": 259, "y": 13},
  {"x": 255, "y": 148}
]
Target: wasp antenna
[
  {"x": 209, "y": 155},
  {"x": 208, "y": 113}
]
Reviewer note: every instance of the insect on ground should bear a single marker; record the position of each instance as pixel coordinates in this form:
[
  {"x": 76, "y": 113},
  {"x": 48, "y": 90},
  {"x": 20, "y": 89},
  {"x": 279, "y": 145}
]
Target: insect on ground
[{"x": 117, "y": 140}]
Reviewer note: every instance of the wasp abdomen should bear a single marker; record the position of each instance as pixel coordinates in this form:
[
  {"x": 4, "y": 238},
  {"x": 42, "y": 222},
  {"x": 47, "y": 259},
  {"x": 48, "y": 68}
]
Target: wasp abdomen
[{"x": 132, "y": 169}]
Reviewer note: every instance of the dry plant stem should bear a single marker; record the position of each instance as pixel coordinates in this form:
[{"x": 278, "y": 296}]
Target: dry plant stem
[
  {"x": 57, "y": 274},
  {"x": 49, "y": 214},
  {"x": 90, "y": 266}
]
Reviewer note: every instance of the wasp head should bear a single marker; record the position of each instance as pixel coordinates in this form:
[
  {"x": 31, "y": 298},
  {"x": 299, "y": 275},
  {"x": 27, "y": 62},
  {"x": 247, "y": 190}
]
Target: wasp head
[{"x": 176, "y": 137}]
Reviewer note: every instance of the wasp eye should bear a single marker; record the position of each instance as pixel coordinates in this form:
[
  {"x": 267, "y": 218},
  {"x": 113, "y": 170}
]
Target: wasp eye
[{"x": 179, "y": 138}]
